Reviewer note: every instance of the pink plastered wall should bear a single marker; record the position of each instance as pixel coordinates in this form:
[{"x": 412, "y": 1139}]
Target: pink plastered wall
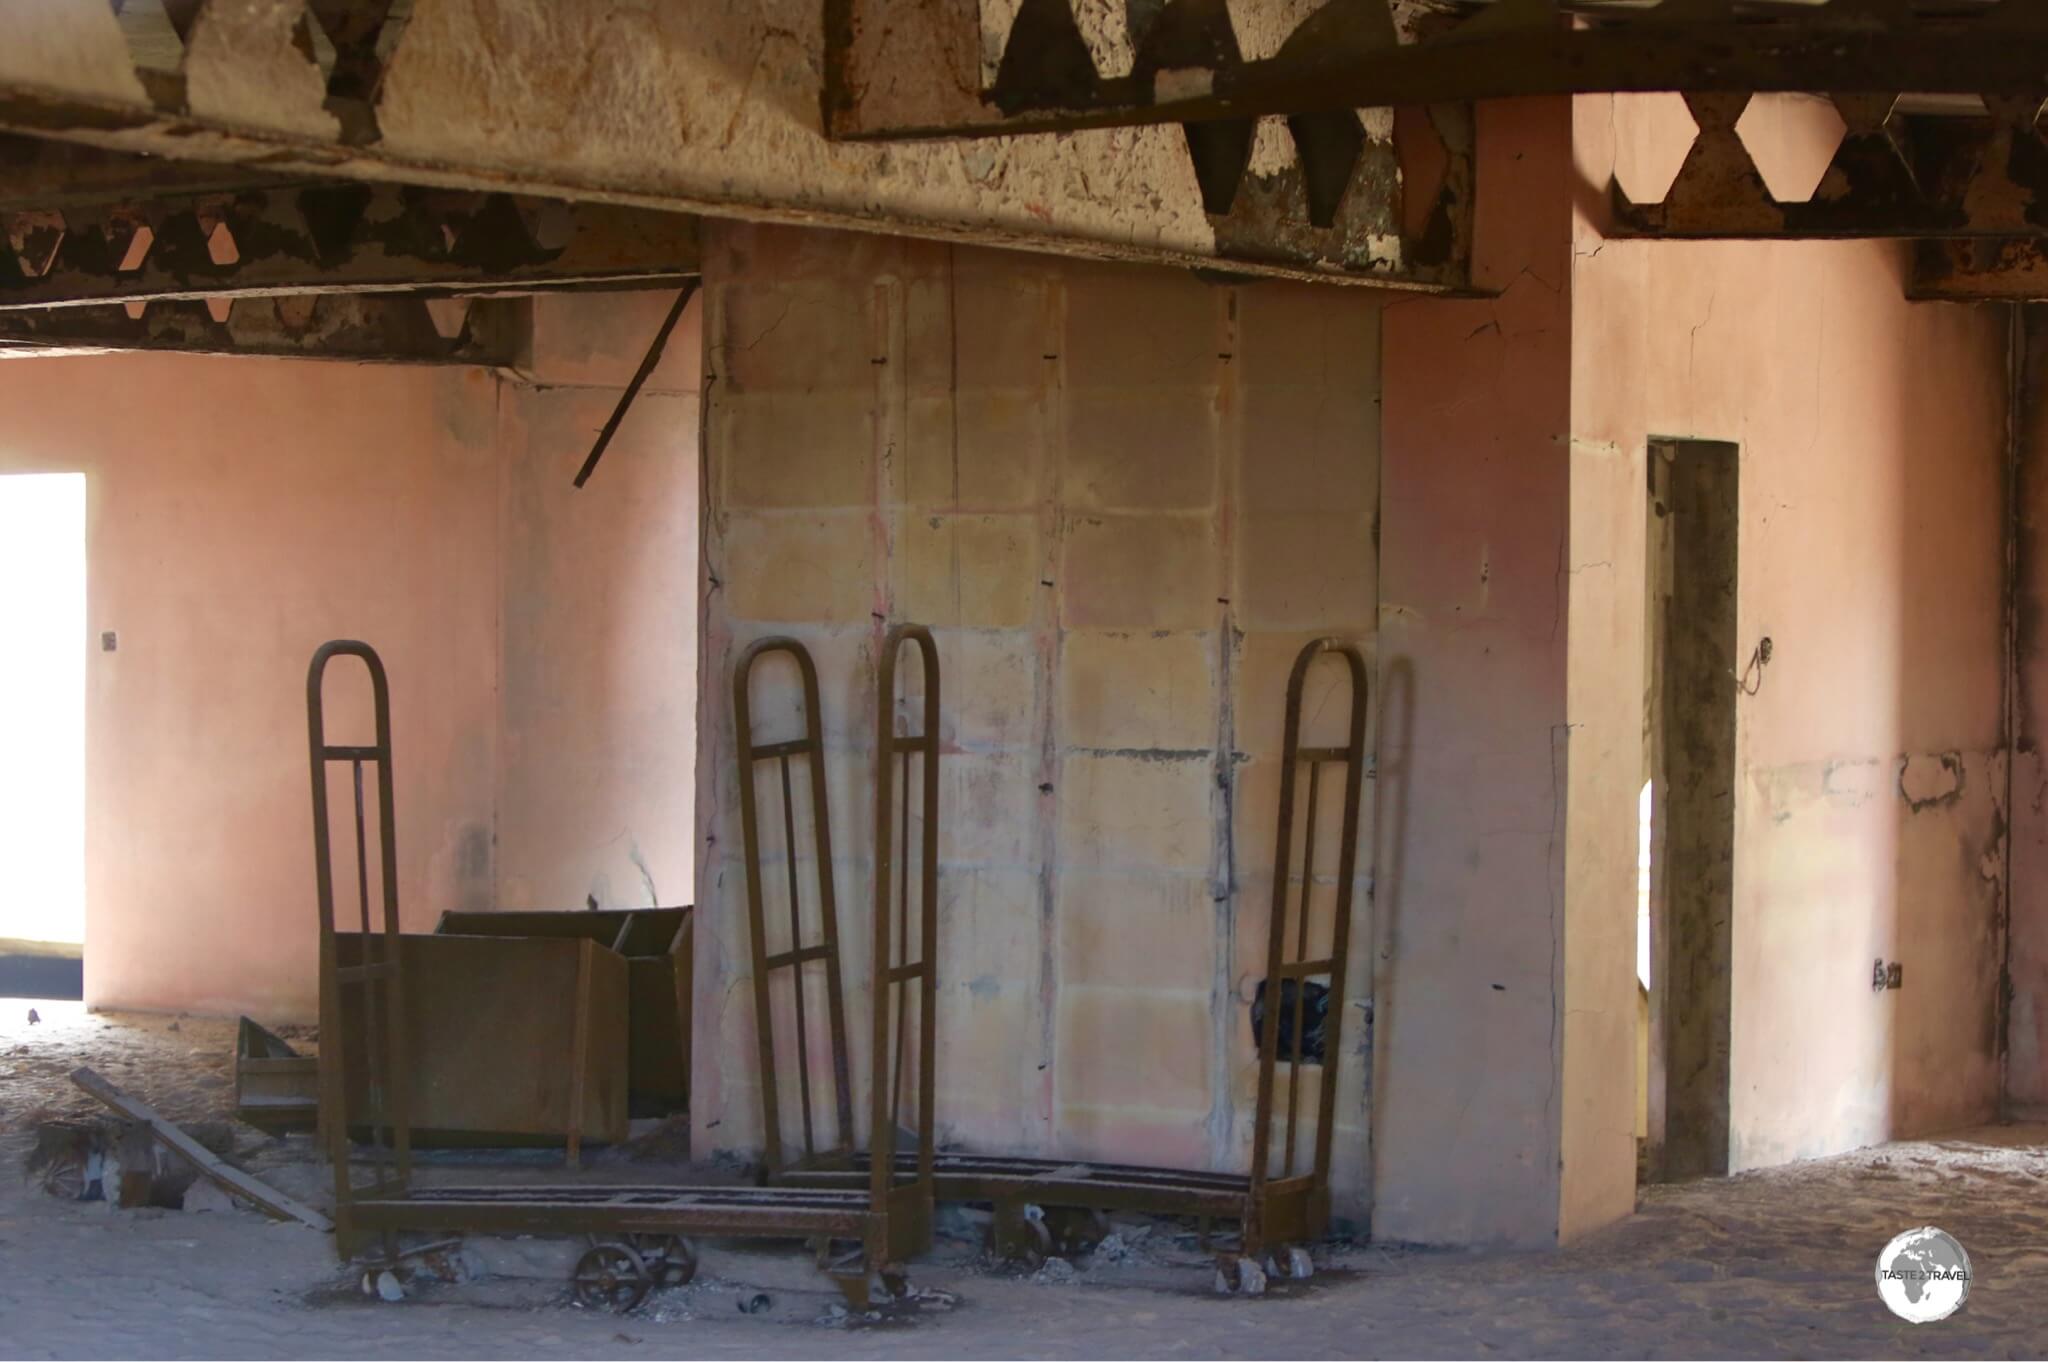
[
  {"x": 540, "y": 640},
  {"x": 1474, "y": 751},
  {"x": 1870, "y": 782},
  {"x": 597, "y": 696},
  {"x": 239, "y": 514}
]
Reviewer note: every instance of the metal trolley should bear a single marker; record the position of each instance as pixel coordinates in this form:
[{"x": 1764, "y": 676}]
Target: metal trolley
[
  {"x": 904, "y": 969},
  {"x": 1043, "y": 1204},
  {"x": 639, "y": 1233}
]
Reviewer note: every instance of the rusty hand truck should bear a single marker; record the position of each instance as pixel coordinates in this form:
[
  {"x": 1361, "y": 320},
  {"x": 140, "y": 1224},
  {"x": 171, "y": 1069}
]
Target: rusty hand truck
[
  {"x": 639, "y": 1234},
  {"x": 1040, "y": 1203}
]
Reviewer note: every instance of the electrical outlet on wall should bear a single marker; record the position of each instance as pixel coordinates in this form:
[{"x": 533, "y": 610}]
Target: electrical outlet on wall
[{"x": 1877, "y": 977}]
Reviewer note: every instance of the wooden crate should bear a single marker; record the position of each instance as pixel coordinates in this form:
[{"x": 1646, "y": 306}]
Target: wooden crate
[
  {"x": 277, "y": 1089},
  {"x": 512, "y": 1040},
  {"x": 657, "y": 945}
]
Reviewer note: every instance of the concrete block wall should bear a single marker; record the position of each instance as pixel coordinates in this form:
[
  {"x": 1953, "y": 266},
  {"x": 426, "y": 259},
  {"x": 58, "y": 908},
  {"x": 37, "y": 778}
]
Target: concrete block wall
[{"x": 1122, "y": 499}]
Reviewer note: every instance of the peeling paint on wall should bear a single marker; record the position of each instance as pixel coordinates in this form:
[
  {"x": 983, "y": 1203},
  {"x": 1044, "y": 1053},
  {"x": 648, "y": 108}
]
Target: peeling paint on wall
[{"x": 1931, "y": 782}]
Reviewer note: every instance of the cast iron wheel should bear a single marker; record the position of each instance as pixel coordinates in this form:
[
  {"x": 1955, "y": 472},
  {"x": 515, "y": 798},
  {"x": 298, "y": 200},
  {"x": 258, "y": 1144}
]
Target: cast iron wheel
[
  {"x": 671, "y": 1259},
  {"x": 1293, "y": 1263},
  {"x": 611, "y": 1277},
  {"x": 1076, "y": 1229},
  {"x": 1237, "y": 1275},
  {"x": 64, "y": 1178},
  {"x": 1034, "y": 1244}
]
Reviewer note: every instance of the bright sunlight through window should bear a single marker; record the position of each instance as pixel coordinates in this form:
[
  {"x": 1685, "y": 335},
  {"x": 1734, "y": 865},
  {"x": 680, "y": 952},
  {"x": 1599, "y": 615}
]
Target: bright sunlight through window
[{"x": 42, "y": 707}]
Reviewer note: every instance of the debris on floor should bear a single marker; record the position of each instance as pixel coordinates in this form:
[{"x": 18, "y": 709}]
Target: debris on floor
[
  {"x": 1733, "y": 1266},
  {"x": 103, "y": 1158},
  {"x": 663, "y": 1139},
  {"x": 1056, "y": 1272},
  {"x": 1115, "y": 1249},
  {"x": 68, "y": 1158},
  {"x": 204, "y": 1196},
  {"x": 205, "y": 1162}
]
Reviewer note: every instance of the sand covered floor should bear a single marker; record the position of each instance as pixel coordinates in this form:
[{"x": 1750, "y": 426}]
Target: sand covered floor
[{"x": 1771, "y": 1264}]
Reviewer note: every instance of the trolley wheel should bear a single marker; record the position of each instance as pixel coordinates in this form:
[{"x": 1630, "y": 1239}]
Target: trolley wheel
[
  {"x": 895, "y": 1280},
  {"x": 64, "y": 1178},
  {"x": 1076, "y": 1229},
  {"x": 1031, "y": 1245},
  {"x": 1292, "y": 1264},
  {"x": 1237, "y": 1275},
  {"x": 1019, "y": 1235},
  {"x": 671, "y": 1259},
  {"x": 611, "y": 1277},
  {"x": 856, "y": 1286}
]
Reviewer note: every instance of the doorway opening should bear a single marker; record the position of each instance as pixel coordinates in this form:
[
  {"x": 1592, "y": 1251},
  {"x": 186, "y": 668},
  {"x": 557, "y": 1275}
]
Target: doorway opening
[
  {"x": 42, "y": 734},
  {"x": 1686, "y": 815}
]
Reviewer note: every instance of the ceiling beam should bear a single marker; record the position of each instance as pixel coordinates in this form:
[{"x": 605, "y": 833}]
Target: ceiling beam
[
  {"x": 1892, "y": 176},
  {"x": 38, "y": 174},
  {"x": 378, "y": 328},
  {"x": 1185, "y": 64},
  {"x": 334, "y": 238},
  {"x": 2013, "y": 270},
  {"x": 715, "y": 109}
]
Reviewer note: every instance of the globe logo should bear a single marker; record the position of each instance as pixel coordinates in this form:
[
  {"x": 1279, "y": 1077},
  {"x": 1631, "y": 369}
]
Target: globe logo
[{"x": 1923, "y": 1275}]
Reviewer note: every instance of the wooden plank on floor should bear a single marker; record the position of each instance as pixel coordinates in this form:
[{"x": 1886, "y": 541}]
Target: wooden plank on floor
[{"x": 208, "y": 1164}]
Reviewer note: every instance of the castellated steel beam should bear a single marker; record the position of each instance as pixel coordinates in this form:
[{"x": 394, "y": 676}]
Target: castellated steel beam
[
  {"x": 716, "y": 109},
  {"x": 948, "y": 68},
  {"x": 333, "y": 238},
  {"x": 364, "y": 328}
]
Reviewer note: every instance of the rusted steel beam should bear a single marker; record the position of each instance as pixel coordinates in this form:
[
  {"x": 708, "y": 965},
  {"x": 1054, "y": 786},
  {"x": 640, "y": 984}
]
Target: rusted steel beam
[
  {"x": 593, "y": 101},
  {"x": 39, "y": 174},
  {"x": 334, "y": 238},
  {"x": 372, "y": 328},
  {"x": 1175, "y": 67},
  {"x": 1892, "y": 176},
  {"x": 2011, "y": 270}
]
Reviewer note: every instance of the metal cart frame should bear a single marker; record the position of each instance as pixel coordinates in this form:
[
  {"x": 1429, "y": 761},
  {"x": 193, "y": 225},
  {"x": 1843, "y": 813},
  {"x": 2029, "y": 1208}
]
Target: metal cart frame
[
  {"x": 895, "y": 973},
  {"x": 638, "y": 1231},
  {"x": 1283, "y": 1212}
]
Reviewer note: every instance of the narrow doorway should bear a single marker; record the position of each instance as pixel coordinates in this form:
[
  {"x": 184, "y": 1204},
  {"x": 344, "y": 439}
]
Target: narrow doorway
[
  {"x": 1687, "y": 811},
  {"x": 42, "y": 734}
]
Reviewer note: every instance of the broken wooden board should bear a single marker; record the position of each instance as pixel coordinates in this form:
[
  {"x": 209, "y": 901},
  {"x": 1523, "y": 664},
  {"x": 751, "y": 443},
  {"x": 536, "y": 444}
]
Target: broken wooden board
[
  {"x": 208, "y": 1164},
  {"x": 277, "y": 1089}
]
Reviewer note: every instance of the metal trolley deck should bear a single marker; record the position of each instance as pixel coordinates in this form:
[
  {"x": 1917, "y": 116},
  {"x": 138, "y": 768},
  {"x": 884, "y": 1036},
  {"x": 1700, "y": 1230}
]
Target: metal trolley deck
[
  {"x": 640, "y": 1234},
  {"x": 1042, "y": 1204}
]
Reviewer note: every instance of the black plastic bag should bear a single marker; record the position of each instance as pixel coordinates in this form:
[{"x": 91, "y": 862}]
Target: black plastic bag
[{"x": 1315, "y": 1014}]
